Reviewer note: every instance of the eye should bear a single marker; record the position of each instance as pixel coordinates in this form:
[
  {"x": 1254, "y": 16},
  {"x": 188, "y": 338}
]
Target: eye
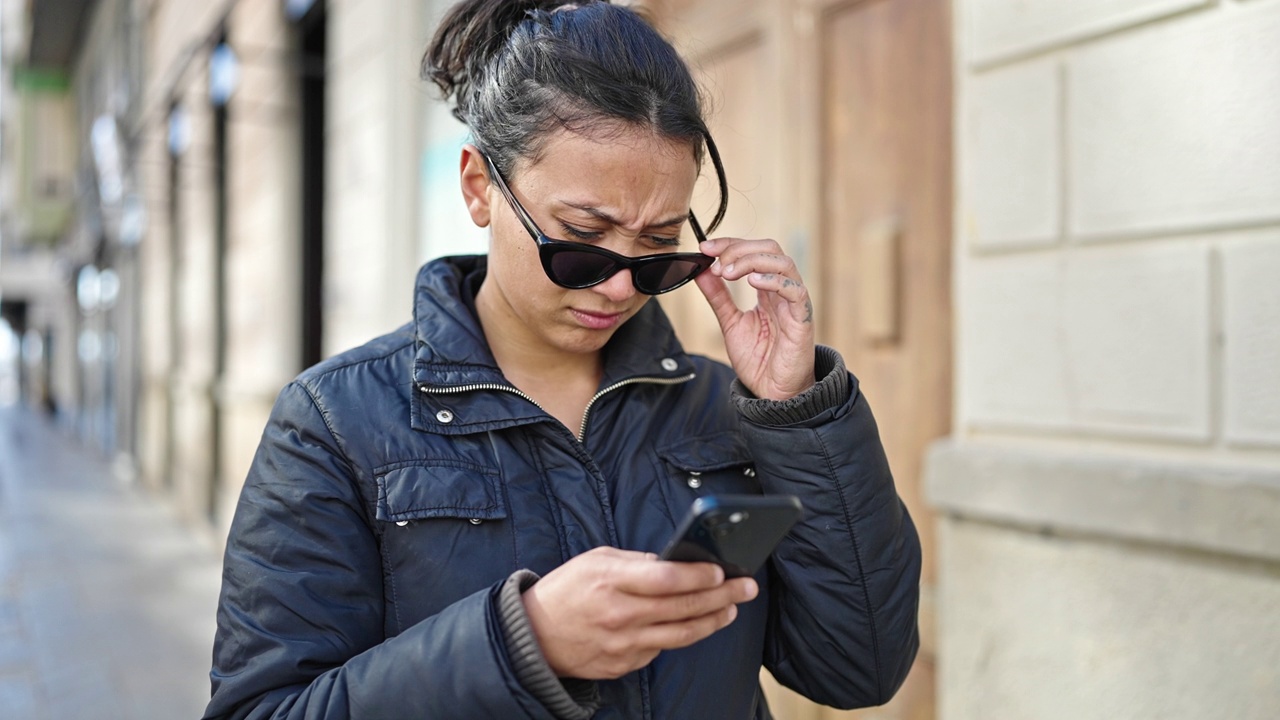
[
  {"x": 577, "y": 234},
  {"x": 664, "y": 241}
]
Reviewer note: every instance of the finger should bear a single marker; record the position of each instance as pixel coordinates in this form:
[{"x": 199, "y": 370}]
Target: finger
[
  {"x": 716, "y": 291},
  {"x": 761, "y": 262},
  {"x": 608, "y": 551},
  {"x": 794, "y": 292},
  {"x": 730, "y": 251},
  {"x": 668, "y": 578},
  {"x": 674, "y": 608},
  {"x": 668, "y": 636}
]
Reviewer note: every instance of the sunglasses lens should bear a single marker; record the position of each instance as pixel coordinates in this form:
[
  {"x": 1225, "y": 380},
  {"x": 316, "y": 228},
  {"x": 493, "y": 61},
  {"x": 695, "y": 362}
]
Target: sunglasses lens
[
  {"x": 662, "y": 276},
  {"x": 578, "y": 268},
  {"x": 581, "y": 267}
]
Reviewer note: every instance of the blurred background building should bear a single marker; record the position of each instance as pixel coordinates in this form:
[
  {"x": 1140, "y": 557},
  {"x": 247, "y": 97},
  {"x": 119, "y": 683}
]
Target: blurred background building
[{"x": 1044, "y": 233}]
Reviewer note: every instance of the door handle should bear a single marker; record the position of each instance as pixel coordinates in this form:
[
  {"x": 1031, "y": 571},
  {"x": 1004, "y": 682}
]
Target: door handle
[{"x": 879, "y": 286}]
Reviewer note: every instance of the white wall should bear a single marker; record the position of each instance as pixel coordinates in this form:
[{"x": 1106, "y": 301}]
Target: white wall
[
  {"x": 446, "y": 228},
  {"x": 373, "y": 115},
  {"x": 1118, "y": 362}
]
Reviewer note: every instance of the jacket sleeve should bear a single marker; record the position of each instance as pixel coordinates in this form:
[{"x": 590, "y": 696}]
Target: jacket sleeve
[
  {"x": 845, "y": 583},
  {"x": 301, "y": 615}
]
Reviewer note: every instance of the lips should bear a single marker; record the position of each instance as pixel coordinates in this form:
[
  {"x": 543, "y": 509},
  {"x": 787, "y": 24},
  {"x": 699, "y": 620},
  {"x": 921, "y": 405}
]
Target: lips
[{"x": 596, "y": 320}]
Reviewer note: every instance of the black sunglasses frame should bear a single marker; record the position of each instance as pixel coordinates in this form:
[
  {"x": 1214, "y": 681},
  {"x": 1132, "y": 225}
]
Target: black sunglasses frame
[{"x": 549, "y": 248}]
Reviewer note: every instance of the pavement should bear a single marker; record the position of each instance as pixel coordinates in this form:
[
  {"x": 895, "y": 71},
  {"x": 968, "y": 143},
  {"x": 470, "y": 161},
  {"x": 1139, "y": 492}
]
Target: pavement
[{"x": 107, "y": 600}]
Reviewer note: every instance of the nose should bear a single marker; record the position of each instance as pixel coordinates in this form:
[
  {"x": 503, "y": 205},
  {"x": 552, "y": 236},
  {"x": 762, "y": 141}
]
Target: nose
[{"x": 617, "y": 288}]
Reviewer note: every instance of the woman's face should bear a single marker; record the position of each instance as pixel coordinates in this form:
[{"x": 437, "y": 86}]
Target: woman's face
[{"x": 627, "y": 191}]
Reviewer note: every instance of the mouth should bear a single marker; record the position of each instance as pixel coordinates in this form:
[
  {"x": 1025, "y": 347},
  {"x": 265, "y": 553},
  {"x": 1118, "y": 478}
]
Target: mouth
[{"x": 596, "y": 320}]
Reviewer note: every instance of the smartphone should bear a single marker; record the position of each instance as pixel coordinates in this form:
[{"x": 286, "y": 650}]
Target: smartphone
[{"x": 737, "y": 532}]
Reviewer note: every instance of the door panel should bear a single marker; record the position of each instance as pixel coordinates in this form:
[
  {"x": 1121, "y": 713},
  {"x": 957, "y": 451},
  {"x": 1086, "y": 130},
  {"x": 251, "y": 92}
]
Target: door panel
[
  {"x": 834, "y": 121},
  {"x": 886, "y": 239}
]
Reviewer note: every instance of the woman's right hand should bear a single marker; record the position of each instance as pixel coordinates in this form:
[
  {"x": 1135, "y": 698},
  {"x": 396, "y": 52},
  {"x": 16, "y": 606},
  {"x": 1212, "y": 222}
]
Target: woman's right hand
[{"x": 608, "y": 612}]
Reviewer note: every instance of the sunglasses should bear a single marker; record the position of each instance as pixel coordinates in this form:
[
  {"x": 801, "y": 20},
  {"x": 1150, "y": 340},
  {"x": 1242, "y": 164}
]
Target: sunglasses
[{"x": 575, "y": 266}]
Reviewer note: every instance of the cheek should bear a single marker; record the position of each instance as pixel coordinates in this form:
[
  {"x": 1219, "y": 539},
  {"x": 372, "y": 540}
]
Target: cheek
[{"x": 514, "y": 262}]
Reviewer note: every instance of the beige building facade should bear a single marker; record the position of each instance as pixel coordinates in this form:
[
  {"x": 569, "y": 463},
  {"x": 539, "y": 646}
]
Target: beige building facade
[{"x": 1110, "y": 495}]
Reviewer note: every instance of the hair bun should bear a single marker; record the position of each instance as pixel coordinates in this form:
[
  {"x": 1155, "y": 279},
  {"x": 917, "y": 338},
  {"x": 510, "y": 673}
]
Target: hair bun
[{"x": 471, "y": 33}]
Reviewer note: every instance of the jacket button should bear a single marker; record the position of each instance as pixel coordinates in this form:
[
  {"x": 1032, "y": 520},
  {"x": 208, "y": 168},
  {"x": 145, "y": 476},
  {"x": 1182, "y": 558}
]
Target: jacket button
[
  {"x": 694, "y": 481},
  {"x": 476, "y": 521},
  {"x": 669, "y": 365},
  {"x": 402, "y": 523},
  {"x": 444, "y": 416},
  {"x": 749, "y": 472}
]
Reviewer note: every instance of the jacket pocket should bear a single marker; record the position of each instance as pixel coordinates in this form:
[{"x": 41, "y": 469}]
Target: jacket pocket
[
  {"x": 439, "y": 489},
  {"x": 717, "y": 464},
  {"x": 444, "y": 534}
]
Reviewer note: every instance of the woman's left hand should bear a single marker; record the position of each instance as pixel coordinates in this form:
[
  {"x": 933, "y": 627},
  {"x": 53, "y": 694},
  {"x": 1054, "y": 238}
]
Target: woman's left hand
[{"x": 771, "y": 347}]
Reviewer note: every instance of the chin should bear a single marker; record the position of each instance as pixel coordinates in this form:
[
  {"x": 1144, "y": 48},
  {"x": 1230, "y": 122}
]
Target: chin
[{"x": 585, "y": 341}]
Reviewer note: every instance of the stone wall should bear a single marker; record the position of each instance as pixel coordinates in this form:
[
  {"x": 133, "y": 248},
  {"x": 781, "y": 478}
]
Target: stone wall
[{"x": 1111, "y": 494}]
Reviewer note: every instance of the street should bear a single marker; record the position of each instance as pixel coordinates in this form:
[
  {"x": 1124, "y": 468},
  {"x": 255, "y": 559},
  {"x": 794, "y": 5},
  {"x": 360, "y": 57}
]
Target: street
[{"x": 106, "y": 599}]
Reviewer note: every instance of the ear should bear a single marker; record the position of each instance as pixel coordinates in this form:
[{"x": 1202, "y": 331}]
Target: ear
[{"x": 474, "y": 176}]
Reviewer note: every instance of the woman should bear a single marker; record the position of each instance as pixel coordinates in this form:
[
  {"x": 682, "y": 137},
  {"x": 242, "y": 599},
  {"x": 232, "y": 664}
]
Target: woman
[{"x": 457, "y": 520}]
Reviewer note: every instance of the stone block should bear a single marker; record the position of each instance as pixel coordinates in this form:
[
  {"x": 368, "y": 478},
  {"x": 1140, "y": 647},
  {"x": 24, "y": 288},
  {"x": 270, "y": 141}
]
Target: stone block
[
  {"x": 1251, "y": 324},
  {"x": 1175, "y": 127},
  {"x": 1011, "y": 156},
  {"x": 1076, "y": 628},
  {"x": 1012, "y": 368},
  {"x": 1200, "y": 505},
  {"x": 1000, "y": 28},
  {"x": 1135, "y": 327},
  {"x": 1110, "y": 340}
]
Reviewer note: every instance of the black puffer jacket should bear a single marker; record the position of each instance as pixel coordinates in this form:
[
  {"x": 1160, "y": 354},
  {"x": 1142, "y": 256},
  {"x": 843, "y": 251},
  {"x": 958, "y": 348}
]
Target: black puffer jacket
[{"x": 399, "y": 486}]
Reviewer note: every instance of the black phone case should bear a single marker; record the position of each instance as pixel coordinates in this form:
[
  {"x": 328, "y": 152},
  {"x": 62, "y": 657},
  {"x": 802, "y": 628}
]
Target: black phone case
[{"x": 737, "y": 532}]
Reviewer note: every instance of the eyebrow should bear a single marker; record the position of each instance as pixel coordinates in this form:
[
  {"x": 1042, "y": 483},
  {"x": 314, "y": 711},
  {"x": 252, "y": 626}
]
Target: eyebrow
[{"x": 606, "y": 217}]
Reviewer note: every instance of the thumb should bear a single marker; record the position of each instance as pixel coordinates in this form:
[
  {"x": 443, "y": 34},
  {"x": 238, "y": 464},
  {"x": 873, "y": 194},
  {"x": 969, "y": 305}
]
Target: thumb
[{"x": 716, "y": 291}]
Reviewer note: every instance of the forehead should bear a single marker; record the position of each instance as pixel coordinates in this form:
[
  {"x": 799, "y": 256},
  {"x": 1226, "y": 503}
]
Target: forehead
[{"x": 610, "y": 159}]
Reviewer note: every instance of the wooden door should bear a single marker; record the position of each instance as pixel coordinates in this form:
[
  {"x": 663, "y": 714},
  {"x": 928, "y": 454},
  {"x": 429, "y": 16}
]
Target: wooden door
[{"x": 834, "y": 119}]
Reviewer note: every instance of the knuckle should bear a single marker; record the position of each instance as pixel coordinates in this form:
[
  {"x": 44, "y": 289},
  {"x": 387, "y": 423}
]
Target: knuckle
[
  {"x": 614, "y": 619},
  {"x": 688, "y": 634},
  {"x": 668, "y": 575},
  {"x": 690, "y": 604},
  {"x": 614, "y": 647}
]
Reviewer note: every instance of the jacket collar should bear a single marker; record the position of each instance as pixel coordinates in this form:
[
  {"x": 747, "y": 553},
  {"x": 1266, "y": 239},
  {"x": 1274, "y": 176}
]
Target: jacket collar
[{"x": 451, "y": 350}]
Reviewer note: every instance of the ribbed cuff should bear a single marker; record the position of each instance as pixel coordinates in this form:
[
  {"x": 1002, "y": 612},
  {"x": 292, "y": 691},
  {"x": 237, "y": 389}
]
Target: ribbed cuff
[
  {"x": 565, "y": 698},
  {"x": 830, "y": 392}
]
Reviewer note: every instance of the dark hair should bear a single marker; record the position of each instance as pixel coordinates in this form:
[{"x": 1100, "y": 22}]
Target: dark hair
[{"x": 518, "y": 69}]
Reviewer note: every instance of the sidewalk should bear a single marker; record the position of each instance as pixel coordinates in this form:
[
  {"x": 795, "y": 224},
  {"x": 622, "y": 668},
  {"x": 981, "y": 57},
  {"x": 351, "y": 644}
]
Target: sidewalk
[{"x": 106, "y": 600}]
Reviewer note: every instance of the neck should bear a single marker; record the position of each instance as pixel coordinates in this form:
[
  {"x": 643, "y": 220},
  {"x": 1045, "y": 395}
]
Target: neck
[{"x": 524, "y": 357}]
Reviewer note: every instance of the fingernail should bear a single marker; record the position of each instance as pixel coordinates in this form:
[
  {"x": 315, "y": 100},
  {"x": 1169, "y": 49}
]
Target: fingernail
[
  {"x": 728, "y": 268},
  {"x": 751, "y": 589}
]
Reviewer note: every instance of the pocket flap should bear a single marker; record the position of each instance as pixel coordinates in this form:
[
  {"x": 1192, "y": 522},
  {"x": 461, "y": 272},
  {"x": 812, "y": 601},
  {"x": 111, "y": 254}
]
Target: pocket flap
[
  {"x": 439, "y": 490},
  {"x": 707, "y": 453}
]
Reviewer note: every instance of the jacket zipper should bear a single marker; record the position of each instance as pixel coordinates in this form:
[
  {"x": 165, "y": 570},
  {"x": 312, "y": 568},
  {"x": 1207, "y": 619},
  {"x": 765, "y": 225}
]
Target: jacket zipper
[
  {"x": 481, "y": 386},
  {"x": 582, "y": 430}
]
